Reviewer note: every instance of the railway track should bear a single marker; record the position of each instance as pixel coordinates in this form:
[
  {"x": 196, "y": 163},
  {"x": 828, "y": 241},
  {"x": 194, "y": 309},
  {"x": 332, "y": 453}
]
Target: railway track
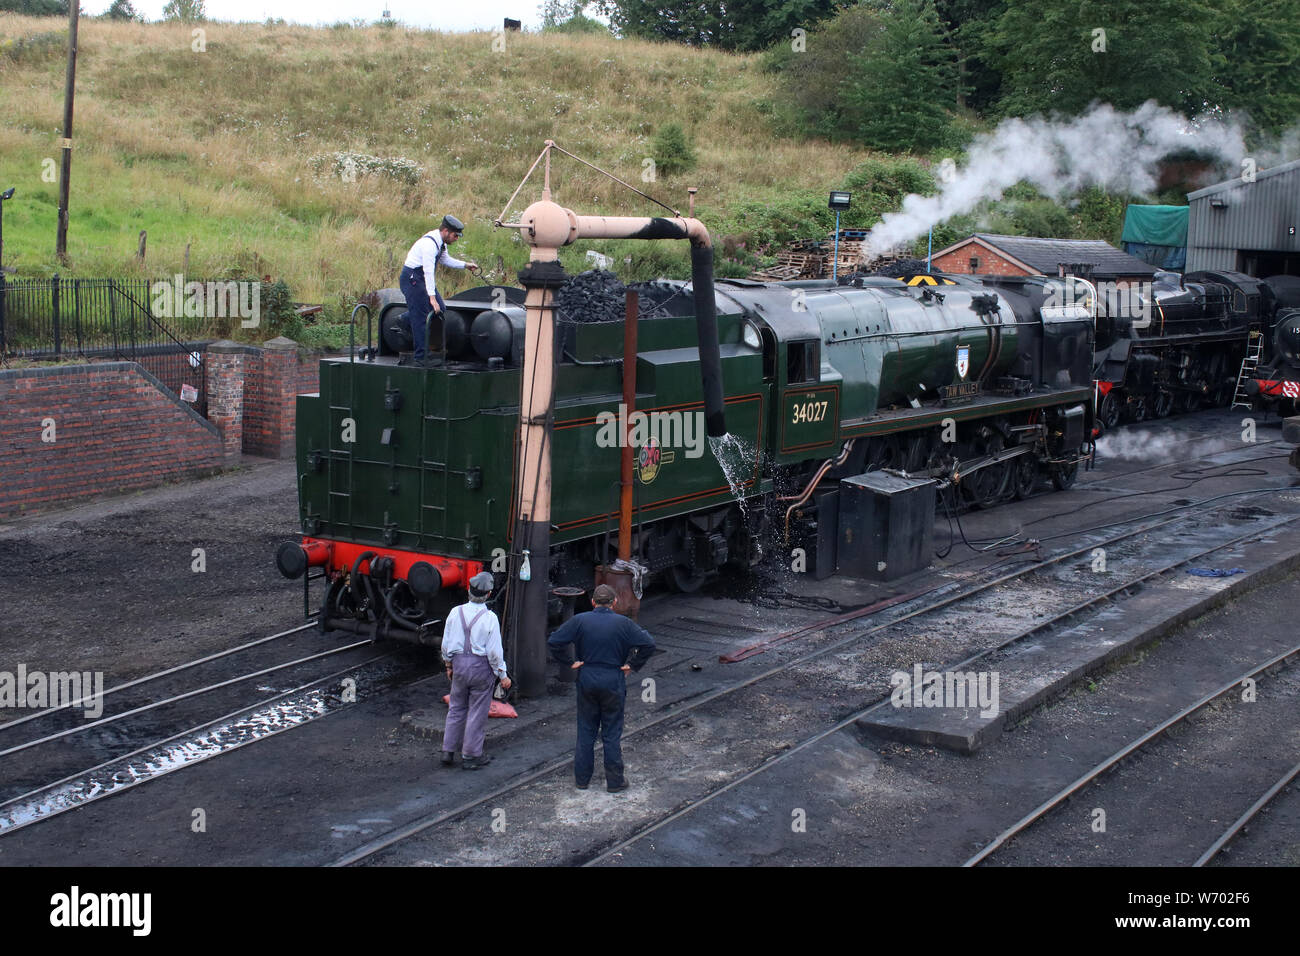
[
  {"x": 760, "y": 694},
  {"x": 1141, "y": 746},
  {"x": 307, "y": 700},
  {"x": 1240, "y": 824},
  {"x": 49, "y": 743},
  {"x": 165, "y": 721}
]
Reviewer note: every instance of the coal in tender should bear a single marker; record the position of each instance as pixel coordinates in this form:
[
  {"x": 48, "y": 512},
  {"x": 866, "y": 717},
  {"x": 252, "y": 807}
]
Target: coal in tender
[
  {"x": 594, "y": 296},
  {"x": 599, "y": 296},
  {"x": 898, "y": 268}
]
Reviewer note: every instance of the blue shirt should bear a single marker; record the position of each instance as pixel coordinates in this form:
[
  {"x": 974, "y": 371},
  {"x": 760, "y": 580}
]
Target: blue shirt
[{"x": 601, "y": 638}]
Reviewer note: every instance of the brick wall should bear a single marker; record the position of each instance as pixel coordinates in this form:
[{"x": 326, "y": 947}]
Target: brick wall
[
  {"x": 252, "y": 394},
  {"x": 990, "y": 263},
  {"x": 114, "y": 428}
]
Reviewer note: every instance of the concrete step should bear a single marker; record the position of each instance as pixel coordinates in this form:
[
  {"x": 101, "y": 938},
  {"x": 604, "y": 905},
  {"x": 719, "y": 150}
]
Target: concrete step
[{"x": 1044, "y": 667}]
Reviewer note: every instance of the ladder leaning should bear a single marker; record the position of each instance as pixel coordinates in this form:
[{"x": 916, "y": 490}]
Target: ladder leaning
[{"x": 1250, "y": 362}]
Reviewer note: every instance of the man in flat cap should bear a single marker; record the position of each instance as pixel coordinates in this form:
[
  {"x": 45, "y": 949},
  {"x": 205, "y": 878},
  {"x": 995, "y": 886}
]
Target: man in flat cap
[
  {"x": 607, "y": 646},
  {"x": 471, "y": 650},
  {"x": 418, "y": 282}
]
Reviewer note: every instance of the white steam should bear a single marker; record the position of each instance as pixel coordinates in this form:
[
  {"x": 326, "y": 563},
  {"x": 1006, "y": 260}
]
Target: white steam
[
  {"x": 1142, "y": 444},
  {"x": 1104, "y": 147}
]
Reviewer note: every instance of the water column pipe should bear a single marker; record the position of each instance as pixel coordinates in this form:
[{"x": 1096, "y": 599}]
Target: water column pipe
[{"x": 547, "y": 226}]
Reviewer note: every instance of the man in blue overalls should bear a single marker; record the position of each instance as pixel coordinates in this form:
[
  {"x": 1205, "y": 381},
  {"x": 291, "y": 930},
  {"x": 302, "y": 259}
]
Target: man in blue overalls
[
  {"x": 419, "y": 283},
  {"x": 607, "y": 646},
  {"x": 471, "y": 648}
]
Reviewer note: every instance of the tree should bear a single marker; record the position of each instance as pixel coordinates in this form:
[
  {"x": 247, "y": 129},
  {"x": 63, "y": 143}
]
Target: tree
[
  {"x": 122, "y": 10},
  {"x": 902, "y": 86},
  {"x": 555, "y": 12},
  {"x": 742, "y": 25},
  {"x": 1061, "y": 57},
  {"x": 566, "y": 16},
  {"x": 879, "y": 73},
  {"x": 35, "y": 8},
  {"x": 187, "y": 11},
  {"x": 965, "y": 20},
  {"x": 1258, "y": 58}
]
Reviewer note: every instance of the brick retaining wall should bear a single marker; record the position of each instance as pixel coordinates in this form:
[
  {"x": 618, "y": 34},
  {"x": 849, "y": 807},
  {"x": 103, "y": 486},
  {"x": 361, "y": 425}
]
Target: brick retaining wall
[
  {"x": 114, "y": 427},
  {"x": 252, "y": 394}
]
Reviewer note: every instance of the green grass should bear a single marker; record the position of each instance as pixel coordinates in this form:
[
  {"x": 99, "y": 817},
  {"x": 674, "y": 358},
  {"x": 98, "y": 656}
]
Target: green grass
[
  {"x": 221, "y": 151},
  {"x": 214, "y": 150}
]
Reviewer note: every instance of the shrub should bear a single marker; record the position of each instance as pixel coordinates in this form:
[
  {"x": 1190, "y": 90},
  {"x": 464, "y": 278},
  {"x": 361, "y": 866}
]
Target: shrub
[
  {"x": 673, "y": 152},
  {"x": 576, "y": 24},
  {"x": 349, "y": 165},
  {"x": 278, "y": 314},
  {"x": 34, "y": 48}
]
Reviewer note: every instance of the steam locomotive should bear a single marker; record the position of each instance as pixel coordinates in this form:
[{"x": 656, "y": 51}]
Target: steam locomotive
[
  {"x": 1180, "y": 345},
  {"x": 408, "y": 476},
  {"x": 1275, "y": 383}
]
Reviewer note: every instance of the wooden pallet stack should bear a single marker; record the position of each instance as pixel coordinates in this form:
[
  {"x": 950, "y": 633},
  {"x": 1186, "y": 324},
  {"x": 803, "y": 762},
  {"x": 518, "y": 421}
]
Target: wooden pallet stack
[{"x": 812, "y": 258}]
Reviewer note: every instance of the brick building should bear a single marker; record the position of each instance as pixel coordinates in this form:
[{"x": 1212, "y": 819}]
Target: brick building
[{"x": 989, "y": 254}]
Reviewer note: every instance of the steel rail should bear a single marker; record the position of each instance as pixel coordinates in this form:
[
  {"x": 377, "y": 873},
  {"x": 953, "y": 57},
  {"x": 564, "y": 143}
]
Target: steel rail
[
  {"x": 184, "y": 733},
  {"x": 1044, "y": 808},
  {"x": 1232, "y": 831},
  {"x": 671, "y": 713},
  {"x": 179, "y": 697},
  {"x": 165, "y": 673},
  {"x": 1037, "y": 629}
]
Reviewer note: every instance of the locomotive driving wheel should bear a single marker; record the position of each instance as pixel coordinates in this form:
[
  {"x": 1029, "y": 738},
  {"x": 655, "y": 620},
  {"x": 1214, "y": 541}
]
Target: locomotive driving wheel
[
  {"x": 685, "y": 580},
  {"x": 1063, "y": 476},
  {"x": 917, "y": 453},
  {"x": 1024, "y": 476},
  {"x": 1108, "y": 413},
  {"x": 1164, "y": 403},
  {"x": 1137, "y": 408},
  {"x": 987, "y": 486},
  {"x": 885, "y": 452}
]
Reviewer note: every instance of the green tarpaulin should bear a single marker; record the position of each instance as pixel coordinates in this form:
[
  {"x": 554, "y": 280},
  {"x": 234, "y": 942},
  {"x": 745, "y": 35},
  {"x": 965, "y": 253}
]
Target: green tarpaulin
[{"x": 1156, "y": 225}]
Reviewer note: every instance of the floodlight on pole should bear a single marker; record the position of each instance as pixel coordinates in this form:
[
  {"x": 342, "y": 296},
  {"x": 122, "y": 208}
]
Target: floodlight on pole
[{"x": 839, "y": 201}]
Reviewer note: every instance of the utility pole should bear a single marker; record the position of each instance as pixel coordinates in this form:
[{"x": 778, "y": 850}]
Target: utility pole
[{"x": 61, "y": 244}]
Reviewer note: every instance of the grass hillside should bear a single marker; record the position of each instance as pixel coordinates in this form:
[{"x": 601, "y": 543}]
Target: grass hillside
[{"x": 215, "y": 149}]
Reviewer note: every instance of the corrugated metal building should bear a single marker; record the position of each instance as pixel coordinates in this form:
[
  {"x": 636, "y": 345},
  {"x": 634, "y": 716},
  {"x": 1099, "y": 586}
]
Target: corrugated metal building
[{"x": 1248, "y": 227}]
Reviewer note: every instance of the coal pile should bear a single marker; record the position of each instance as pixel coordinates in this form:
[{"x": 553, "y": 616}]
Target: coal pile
[
  {"x": 898, "y": 268},
  {"x": 599, "y": 296},
  {"x": 595, "y": 296}
]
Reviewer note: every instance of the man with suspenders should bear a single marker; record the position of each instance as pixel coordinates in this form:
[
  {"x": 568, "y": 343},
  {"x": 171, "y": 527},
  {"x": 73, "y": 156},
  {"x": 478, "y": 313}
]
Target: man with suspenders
[
  {"x": 471, "y": 648},
  {"x": 418, "y": 282}
]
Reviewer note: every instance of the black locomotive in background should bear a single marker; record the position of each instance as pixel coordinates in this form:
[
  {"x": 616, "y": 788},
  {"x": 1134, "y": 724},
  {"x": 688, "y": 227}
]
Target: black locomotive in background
[
  {"x": 1179, "y": 344},
  {"x": 1275, "y": 382}
]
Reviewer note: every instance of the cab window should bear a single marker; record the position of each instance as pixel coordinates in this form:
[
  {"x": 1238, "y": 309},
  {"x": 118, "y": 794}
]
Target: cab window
[{"x": 802, "y": 362}]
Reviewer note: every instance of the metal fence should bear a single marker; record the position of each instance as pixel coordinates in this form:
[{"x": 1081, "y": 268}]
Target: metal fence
[{"x": 105, "y": 320}]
